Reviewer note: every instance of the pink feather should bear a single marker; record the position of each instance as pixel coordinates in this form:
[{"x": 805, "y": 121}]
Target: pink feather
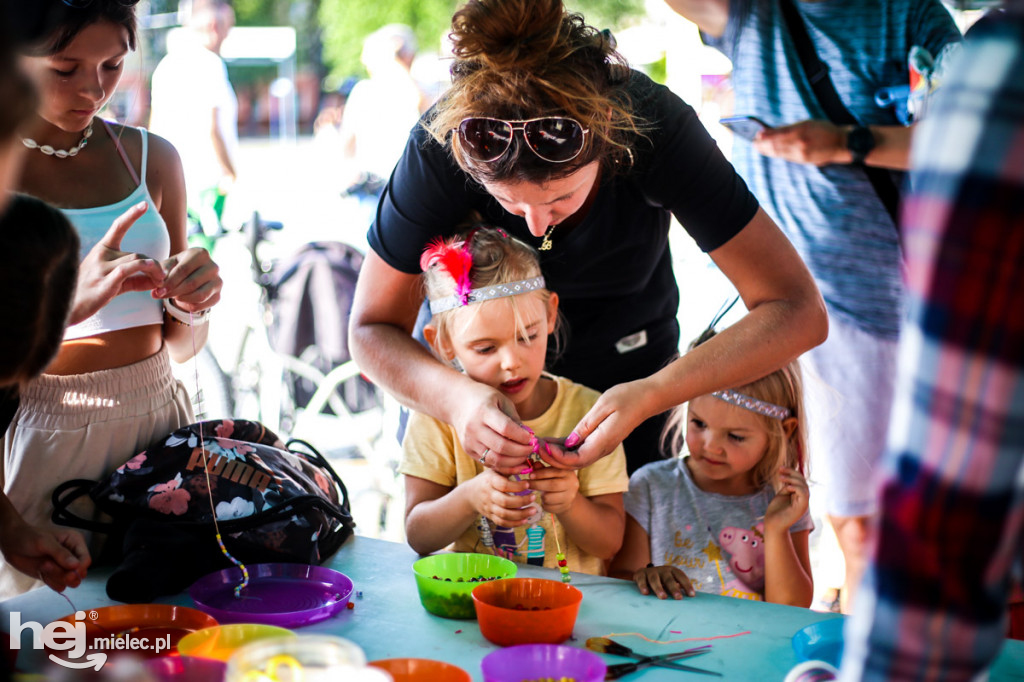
[{"x": 455, "y": 259}]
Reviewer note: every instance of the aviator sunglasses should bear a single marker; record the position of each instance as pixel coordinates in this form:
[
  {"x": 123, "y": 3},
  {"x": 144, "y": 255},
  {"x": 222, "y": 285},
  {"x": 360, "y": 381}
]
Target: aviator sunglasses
[{"x": 555, "y": 139}]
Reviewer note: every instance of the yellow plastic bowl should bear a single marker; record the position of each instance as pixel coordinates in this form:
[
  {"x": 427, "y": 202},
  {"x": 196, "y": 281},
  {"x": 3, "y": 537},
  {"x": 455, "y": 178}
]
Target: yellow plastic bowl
[{"x": 220, "y": 642}]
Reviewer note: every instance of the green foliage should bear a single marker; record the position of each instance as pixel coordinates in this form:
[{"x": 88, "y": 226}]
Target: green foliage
[{"x": 345, "y": 23}]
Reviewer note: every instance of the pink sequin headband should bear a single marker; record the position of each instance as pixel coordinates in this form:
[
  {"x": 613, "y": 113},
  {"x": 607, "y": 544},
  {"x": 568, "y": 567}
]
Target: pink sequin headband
[
  {"x": 753, "y": 404},
  {"x": 457, "y": 260}
]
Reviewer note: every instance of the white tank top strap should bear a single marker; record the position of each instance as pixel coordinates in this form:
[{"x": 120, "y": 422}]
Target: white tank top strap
[{"x": 124, "y": 157}]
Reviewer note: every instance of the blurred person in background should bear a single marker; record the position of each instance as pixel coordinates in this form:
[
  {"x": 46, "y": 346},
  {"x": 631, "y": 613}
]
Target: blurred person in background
[
  {"x": 195, "y": 108},
  {"x": 830, "y": 187},
  {"x": 380, "y": 111}
]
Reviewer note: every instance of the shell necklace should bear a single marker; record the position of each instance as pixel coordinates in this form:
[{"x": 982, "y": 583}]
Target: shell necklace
[{"x": 60, "y": 153}]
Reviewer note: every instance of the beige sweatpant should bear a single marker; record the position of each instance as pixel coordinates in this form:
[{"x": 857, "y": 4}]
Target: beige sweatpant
[{"x": 83, "y": 426}]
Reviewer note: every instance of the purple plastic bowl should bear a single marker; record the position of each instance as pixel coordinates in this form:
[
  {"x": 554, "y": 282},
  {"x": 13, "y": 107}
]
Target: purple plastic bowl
[
  {"x": 172, "y": 668},
  {"x": 538, "y": 661},
  {"x": 286, "y": 595}
]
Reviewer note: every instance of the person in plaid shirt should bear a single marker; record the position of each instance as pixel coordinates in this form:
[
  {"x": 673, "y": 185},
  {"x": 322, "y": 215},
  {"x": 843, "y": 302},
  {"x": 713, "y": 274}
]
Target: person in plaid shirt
[{"x": 951, "y": 534}]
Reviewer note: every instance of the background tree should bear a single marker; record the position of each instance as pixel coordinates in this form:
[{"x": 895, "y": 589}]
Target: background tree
[{"x": 345, "y": 23}]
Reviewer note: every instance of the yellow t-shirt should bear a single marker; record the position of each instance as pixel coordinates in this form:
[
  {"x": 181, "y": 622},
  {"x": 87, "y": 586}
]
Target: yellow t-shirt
[{"x": 432, "y": 451}]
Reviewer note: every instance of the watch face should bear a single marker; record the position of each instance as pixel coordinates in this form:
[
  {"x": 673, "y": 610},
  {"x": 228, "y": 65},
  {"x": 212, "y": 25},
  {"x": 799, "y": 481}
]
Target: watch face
[{"x": 860, "y": 142}]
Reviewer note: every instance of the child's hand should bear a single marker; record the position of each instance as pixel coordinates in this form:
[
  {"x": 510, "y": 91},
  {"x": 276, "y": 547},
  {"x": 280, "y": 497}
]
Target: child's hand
[
  {"x": 663, "y": 580},
  {"x": 789, "y": 504},
  {"x": 495, "y": 497},
  {"x": 558, "y": 488}
]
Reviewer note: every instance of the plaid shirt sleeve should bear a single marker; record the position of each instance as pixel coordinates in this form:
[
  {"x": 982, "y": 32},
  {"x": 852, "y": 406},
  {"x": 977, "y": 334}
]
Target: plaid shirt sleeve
[{"x": 952, "y": 525}]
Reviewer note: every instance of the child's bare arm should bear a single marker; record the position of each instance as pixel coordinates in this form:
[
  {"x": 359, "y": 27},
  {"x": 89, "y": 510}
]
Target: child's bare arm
[
  {"x": 633, "y": 562},
  {"x": 595, "y": 524},
  {"x": 635, "y": 552},
  {"x": 788, "y": 577},
  {"x": 436, "y": 515}
]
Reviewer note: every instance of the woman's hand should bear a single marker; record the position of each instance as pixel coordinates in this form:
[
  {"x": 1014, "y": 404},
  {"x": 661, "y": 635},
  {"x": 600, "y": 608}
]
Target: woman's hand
[
  {"x": 193, "y": 280},
  {"x": 489, "y": 429},
  {"x": 790, "y": 502},
  {"x": 663, "y": 580},
  {"x": 107, "y": 271},
  {"x": 558, "y": 488},
  {"x": 616, "y": 413},
  {"x": 497, "y": 498}
]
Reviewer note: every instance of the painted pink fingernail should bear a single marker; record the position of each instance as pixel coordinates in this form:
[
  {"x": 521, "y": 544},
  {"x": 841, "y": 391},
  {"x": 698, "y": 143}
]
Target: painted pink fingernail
[{"x": 572, "y": 441}]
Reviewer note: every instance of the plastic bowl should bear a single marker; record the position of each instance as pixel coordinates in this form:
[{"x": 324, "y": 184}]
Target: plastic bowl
[
  {"x": 822, "y": 641},
  {"x": 542, "y": 661},
  {"x": 171, "y": 668},
  {"x": 446, "y": 581},
  {"x": 309, "y": 657},
  {"x": 146, "y": 623},
  {"x": 421, "y": 670},
  {"x": 286, "y": 595},
  {"x": 220, "y": 642},
  {"x": 526, "y": 610}
]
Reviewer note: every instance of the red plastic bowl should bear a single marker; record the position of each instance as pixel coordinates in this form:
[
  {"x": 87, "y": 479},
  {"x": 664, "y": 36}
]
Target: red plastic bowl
[{"x": 526, "y": 610}]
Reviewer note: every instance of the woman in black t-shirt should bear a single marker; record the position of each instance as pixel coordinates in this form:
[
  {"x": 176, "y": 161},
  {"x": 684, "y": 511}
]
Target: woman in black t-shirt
[{"x": 548, "y": 134}]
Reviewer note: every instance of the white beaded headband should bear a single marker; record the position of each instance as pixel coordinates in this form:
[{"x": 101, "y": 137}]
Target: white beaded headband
[
  {"x": 439, "y": 305},
  {"x": 753, "y": 404}
]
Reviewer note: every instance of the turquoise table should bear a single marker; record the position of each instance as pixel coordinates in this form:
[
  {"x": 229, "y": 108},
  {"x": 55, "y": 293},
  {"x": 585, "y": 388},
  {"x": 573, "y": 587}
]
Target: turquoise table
[{"x": 388, "y": 621}]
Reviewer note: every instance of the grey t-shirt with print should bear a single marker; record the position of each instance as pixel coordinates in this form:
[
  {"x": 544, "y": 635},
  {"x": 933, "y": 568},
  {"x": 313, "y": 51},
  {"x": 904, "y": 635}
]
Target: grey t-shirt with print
[{"x": 717, "y": 540}]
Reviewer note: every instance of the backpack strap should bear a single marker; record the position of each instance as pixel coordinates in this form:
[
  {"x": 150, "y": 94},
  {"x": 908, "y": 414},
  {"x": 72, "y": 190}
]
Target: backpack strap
[
  {"x": 66, "y": 493},
  {"x": 817, "y": 74}
]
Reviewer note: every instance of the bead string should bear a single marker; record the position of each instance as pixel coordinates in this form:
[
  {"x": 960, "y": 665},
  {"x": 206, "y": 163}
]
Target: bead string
[
  {"x": 209, "y": 486},
  {"x": 535, "y": 446},
  {"x": 60, "y": 153}
]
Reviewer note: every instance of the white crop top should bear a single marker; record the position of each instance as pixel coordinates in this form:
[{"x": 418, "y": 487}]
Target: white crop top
[{"x": 148, "y": 236}]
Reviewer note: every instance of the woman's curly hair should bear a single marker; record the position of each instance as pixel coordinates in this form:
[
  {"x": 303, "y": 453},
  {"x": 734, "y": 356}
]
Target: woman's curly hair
[{"x": 522, "y": 59}]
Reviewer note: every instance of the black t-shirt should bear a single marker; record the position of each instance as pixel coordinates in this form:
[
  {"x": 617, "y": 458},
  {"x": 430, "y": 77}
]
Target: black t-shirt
[{"x": 612, "y": 272}]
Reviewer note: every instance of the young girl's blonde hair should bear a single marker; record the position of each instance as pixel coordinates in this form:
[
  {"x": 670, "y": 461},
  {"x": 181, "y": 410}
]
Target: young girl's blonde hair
[
  {"x": 783, "y": 387},
  {"x": 497, "y": 259}
]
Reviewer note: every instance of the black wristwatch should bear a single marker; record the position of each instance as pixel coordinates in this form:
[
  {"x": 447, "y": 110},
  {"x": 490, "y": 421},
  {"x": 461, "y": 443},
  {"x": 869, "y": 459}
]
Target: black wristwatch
[{"x": 860, "y": 141}]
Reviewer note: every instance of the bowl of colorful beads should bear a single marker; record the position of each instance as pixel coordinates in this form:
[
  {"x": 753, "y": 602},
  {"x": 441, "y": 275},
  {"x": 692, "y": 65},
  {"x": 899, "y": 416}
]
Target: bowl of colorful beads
[
  {"x": 526, "y": 611},
  {"x": 446, "y": 581},
  {"x": 542, "y": 662}
]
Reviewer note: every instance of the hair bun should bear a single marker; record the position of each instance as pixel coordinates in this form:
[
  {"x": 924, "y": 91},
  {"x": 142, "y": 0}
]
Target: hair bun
[{"x": 510, "y": 35}]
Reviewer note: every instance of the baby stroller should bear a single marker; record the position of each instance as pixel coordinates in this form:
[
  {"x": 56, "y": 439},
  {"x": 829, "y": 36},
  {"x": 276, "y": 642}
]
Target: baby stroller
[{"x": 303, "y": 378}]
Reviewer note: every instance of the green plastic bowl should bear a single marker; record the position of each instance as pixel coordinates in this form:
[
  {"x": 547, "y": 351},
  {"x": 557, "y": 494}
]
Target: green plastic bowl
[{"x": 446, "y": 581}]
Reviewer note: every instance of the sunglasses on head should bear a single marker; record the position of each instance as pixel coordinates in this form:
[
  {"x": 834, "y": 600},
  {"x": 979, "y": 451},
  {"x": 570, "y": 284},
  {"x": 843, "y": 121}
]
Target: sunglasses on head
[
  {"x": 555, "y": 139},
  {"x": 81, "y": 4}
]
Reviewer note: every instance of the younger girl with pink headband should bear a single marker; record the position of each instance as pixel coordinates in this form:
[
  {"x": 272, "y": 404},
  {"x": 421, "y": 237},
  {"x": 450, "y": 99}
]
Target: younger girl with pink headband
[
  {"x": 491, "y": 317},
  {"x": 730, "y": 516}
]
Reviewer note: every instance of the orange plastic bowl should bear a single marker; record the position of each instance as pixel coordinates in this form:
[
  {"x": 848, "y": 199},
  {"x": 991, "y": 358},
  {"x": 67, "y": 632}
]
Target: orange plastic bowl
[
  {"x": 421, "y": 670},
  {"x": 526, "y": 610},
  {"x": 146, "y": 623}
]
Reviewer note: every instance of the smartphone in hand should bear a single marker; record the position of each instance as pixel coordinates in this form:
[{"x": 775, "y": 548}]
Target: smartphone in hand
[{"x": 746, "y": 127}]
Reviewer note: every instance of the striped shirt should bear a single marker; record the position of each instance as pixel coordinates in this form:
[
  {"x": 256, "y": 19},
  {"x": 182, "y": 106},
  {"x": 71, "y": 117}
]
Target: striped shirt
[
  {"x": 953, "y": 504},
  {"x": 831, "y": 214}
]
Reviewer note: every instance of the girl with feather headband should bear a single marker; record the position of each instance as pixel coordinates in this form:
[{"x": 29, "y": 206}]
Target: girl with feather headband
[{"x": 491, "y": 318}]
